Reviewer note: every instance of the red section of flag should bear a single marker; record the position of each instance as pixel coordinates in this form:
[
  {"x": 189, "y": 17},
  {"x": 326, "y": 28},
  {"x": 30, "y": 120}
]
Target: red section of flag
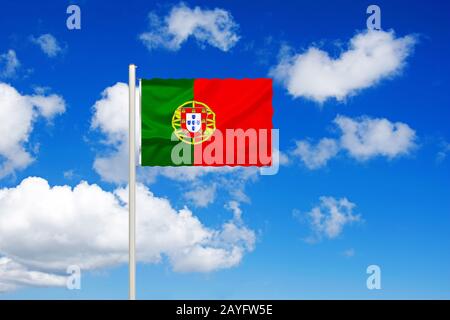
[{"x": 238, "y": 104}]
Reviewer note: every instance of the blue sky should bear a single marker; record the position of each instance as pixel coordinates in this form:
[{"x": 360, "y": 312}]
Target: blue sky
[{"x": 399, "y": 186}]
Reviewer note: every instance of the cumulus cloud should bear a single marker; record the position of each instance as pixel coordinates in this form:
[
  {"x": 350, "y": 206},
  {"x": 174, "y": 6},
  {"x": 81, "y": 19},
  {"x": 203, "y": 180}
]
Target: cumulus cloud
[
  {"x": 213, "y": 27},
  {"x": 328, "y": 219},
  {"x": 317, "y": 156},
  {"x": 109, "y": 112},
  {"x": 8, "y": 64},
  {"x": 48, "y": 44},
  {"x": 112, "y": 166},
  {"x": 371, "y": 56},
  {"x": 364, "y": 137},
  {"x": 361, "y": 138},
  {"x": 205, "y": 259},
  {"x": 18, "y": 114},
  {"x": 110, "y": 117},
  {"x": 87, "y": 226}
]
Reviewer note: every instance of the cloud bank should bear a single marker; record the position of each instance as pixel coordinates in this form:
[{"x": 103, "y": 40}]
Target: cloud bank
[{"x": 48, "y": 228}]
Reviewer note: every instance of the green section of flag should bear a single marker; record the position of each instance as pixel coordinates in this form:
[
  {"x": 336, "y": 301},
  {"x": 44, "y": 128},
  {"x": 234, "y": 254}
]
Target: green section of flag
[{"x": 159, "y": 100}]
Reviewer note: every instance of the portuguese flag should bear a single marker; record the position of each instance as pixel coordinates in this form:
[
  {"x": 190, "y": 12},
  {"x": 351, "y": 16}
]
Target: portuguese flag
[{"x": 206, "y": 122}]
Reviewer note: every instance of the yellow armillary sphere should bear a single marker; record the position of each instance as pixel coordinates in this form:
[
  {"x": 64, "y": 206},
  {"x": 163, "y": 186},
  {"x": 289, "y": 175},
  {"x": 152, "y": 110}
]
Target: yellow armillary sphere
[{"x": 194, "y": 122}]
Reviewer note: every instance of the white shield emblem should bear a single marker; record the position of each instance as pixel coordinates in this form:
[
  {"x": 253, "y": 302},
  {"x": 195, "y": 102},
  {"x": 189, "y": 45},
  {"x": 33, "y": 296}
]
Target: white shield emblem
[{"x": 193, "y": 122}]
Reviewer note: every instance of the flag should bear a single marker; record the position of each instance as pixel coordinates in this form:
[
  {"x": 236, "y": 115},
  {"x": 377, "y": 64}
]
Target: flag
[{"x": 206, "y": 122}]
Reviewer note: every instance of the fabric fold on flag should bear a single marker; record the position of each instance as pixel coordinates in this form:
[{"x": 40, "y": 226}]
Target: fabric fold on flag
[{"x": 206, "y": 122}]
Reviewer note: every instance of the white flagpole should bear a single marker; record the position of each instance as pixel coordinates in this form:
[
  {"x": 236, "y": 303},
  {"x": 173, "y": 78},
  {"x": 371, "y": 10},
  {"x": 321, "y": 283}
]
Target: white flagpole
[{"x": 132, "y": 182}]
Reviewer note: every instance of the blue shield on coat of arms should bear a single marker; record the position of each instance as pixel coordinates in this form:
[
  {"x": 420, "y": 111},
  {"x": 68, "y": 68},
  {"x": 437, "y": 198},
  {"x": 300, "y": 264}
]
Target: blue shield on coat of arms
[{"x": 193, "y": 122}]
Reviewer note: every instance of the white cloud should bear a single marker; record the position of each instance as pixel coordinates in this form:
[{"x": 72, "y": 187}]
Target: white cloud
[
  {"x": 364, "y": 138},
  {"x": 111, "y": 118},
  {"x": 13, "y": 275},
  {"x": 283, "y": 158},
  {"x": 113, "y": 166},
  {"x": 226, "y": 249},
  {"x": 371, "y": 57},
  {"x": 18, "y": 113},
  {"x": 48, "y": 44},
  {"x": 232, "y": 180},
  {"x": 48, "y": 106},
  {"x": 235, "y": 207},
  {"x": 110, "y": 112},
  {"x": 213, "y": 27},
  {"x": 8, "y": 64},
  {"x": 315, "y": 157},
  {"x": 201, "y": 196},
  {"x": 329, "y": 218},
  {"x": 443, "y": 153},
  {"x": 87, "y": 226},
  {"x": 238, "y": 240}
]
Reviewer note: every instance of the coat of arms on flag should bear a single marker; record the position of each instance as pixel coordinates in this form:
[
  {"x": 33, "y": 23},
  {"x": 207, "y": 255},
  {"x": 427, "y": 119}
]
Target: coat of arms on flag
[{"x": 193, "y": 122}]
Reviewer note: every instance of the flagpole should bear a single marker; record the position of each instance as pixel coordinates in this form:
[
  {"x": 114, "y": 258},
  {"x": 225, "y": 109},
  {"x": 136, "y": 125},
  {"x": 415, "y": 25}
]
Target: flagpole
[{"x": 132, "y": 181}]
